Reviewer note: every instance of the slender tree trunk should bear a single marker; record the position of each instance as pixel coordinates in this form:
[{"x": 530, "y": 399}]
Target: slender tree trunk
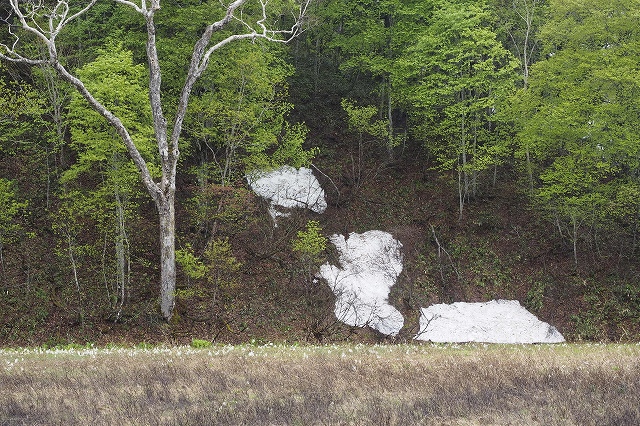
[
  {"x": 316, "y": 67},
  {"x": 74, "y": 267},
  {"x": 166, "y": 212},
  {"x": 463, "y": 177},
  {"x": 460, "y": 195},
  {"x": 495, "y": 176},
  {"x": 529, "y": 171},
  {"x": 575, "y": 240},
  {"x": 390, "y": 121},
  {"x": 123, "y": 264},
  {"x": 474, "y": 157}
]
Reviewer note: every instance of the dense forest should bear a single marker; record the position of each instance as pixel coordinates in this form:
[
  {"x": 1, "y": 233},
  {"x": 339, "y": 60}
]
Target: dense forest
[{"x": 496, "y": 139}]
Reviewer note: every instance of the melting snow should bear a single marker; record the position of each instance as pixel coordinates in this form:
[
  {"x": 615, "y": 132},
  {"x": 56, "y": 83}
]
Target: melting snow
[
  {"x": 288, "y": 188},
  {"x": 497, "y": 321},
  {"x": 370, "y": 264}
]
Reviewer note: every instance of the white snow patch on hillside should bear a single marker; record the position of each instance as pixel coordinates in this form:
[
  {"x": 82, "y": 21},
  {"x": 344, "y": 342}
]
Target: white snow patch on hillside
[
  {"x": 497, "y": 321},
  {"x": 370, "y": 263},
  {"x": 288, "y": 187}
]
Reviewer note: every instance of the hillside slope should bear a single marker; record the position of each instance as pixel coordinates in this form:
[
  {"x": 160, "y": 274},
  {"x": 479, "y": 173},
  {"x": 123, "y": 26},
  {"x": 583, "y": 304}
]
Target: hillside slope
[{"x": 263, "y": 291}]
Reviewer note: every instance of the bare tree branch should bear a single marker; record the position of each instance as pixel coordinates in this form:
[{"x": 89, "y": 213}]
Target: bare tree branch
[
  {"x": 202, "y": 53},
  {"x": 133, "y": 5},
  {"x": 120, "y": 128}
]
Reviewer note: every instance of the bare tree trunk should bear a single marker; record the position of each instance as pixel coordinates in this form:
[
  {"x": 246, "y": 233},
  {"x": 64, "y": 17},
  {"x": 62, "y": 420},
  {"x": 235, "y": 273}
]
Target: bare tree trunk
[
  {"x": 529, "y": 171},
  {"x": 391, "y": 141},
  {"x": 123, "y": 264},
  {"x": 460, "y": 194},
  {"x": 74, "y": 267},
  {"x": 166, "y": 212},
  {"x": 474, "y": 161},
  {"x": 575, "y": 240},
  {"x": 57, "y": 99},
  {"x": 316, "y": 67},
  {"x": 463, "y": 177}
]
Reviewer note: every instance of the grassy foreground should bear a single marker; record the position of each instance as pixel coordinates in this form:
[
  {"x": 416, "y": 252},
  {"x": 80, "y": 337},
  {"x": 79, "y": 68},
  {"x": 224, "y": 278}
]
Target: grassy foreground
[{"x": 309, "y": 385}]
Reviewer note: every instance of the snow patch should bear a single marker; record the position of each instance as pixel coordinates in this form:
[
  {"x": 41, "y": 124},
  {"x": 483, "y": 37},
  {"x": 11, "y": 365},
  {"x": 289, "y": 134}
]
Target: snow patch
[
  {"x": 370, "y": 264},
  {"x": 288, "y": 187},
  {"x": 497, "y": 321}
]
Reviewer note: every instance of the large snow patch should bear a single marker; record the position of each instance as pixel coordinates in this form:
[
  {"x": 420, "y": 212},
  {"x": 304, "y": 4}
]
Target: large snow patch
[
  {"x": 288, "y": 187},
  {"x": 369, "y": 266},
  {"x": 497, "y": 321}
]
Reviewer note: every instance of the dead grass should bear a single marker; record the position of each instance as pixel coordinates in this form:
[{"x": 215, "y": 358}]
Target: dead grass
[{"x": 324, "y": 385}]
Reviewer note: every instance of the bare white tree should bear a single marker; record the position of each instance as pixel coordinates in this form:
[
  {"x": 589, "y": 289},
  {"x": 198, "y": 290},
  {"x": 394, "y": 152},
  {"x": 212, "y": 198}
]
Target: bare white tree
[
  {"x": 528, "y": 11},
  {"x": 40, "y": 22}
]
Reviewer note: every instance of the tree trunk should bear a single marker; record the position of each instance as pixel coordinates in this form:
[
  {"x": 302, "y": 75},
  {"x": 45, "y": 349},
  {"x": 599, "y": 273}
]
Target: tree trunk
[
  {"x": 529, "y": 171},
  {"x": 123, "y": 264},
  {"x": 575, "y": 240},
  {"x": 166, "y": 213},
  {"x": 390, "y": 142}
]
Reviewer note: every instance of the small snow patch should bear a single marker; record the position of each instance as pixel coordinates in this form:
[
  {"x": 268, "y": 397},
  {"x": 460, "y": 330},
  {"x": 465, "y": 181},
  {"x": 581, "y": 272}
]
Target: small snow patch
[
  {"x": 288, "y": 188},
  {"x": 497, "y": 321},
  {"x": 370, "y": 264}
]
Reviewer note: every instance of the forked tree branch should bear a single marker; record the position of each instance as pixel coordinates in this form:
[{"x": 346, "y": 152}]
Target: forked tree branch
[
  {"x": 28, "y": 14},
  {"x": 46, "y": 22},
  {"x": 202, "y": 51}
]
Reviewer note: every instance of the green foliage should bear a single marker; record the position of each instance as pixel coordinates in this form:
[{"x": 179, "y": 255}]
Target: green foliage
[
  {"x": 181, "y": 23},
  {"x": 12, "y": 208},
  {"x": 586, "y": 327},
  {"x": 456, "y": 73},
  {"x": 10, "y": 226},
  {"x": 356, "y": 52},
  {"x": 102, "y": 187},
  {"x": 535, "y": 296},
  {"x": 200, "y": 343},
  {"x": 310, "y": 243},
  {"x": 309, "y": 246},
  {"x": 118, "y": 83},
  {"x": 441, "y": 73},
  {"x": 145, "y": 346},
  {"x": 21, "y": 109},
  {"x": 579, "y": 117},
  {"x": 482, "y": 268},
  {"x": 190, "y": 263},
  {"x": 361, "y": 121},
  {"x": 429, "y": 277},
  {"x": 238, "y": 121},
  {"x": 213, "y": 274},
  {"x": 518, "y": 24},
  {"x": 56, "y": 344},
  {"x": 289, "y": 150},
  {"x": 25, "y": 139},
  {"x": 610, "y": 307},
  {"x": 360, "y": 117},
  {"x": 221, "y": 263},
  {"x": 225, "y": 209}
]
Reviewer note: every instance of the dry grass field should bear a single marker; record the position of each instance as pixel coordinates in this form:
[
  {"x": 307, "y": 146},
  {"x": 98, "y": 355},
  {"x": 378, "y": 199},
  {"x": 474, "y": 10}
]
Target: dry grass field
[{"x": 323, "y": 385}]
